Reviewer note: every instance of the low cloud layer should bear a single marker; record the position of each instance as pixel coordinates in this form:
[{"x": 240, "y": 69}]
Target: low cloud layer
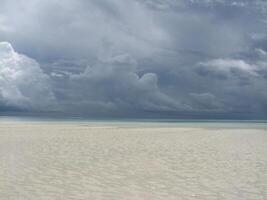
[{"x": 153, "y": 58}]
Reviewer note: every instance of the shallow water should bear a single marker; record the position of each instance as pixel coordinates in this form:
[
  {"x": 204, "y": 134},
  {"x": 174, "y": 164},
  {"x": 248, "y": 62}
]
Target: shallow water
[{"x": 51, "y": 161}]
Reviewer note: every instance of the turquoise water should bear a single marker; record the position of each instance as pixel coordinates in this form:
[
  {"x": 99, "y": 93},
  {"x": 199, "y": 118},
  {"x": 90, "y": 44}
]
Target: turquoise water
[{"x": 144, "y": 122}]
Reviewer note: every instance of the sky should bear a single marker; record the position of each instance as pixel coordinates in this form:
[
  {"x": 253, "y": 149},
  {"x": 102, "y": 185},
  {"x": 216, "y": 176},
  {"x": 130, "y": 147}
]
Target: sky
[{"x": 203, "y": 59}]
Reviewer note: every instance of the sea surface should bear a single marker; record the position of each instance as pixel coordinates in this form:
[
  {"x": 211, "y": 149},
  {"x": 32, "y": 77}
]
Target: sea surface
[{"x": 141, "y": 122}]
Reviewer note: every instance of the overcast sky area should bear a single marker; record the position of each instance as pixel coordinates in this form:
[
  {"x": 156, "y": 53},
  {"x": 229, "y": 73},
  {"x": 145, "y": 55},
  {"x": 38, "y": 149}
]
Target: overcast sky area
[{"x": 134, "y": 58}]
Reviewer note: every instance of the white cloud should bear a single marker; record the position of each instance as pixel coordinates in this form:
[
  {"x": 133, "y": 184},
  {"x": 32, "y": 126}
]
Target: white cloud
[
  {"x": 262, "y": 54},
  {"x": 160, "y": 43},
  {"x": 22, "y": 83},
  {"x": 228, "y": 66},
  {"x": 77, "y": 29},
  {"x": 116, "y": 82}
]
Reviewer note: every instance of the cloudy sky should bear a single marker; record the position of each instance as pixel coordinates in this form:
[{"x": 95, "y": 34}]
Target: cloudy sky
[{"x": 134, "y": 58}]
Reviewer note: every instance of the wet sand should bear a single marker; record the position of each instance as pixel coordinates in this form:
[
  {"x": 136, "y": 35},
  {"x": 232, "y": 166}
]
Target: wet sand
[{"x": 54, "y": 161}]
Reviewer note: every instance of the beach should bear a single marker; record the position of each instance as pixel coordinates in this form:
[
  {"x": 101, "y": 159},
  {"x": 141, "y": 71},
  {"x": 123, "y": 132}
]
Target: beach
[{"x": 131, "y": 161}]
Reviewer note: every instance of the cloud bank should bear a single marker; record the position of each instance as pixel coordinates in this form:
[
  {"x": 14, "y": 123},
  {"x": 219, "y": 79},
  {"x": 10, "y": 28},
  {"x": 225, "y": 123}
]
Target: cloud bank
[
  {"x": 23, "y": 85},
  {"x": 152, "y": 58}
]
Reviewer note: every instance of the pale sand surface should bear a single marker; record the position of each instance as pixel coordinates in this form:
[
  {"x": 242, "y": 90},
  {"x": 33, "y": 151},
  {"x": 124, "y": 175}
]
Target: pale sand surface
[{"x": 61, "y": 161}]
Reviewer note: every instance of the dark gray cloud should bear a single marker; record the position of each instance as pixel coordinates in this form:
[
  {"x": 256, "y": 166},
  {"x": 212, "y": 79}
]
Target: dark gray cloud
[{"x": 176, "y": 58}]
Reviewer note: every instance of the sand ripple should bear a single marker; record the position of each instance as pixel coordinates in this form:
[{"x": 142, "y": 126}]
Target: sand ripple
[{"x": 54, "y": 162}]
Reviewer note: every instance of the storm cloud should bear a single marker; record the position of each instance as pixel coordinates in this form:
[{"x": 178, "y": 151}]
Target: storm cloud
[{"x": 171, "y": 58}]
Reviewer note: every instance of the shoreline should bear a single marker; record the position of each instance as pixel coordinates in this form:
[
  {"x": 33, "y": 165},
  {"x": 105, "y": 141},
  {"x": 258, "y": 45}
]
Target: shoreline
[{"x": 212, "y": 124}]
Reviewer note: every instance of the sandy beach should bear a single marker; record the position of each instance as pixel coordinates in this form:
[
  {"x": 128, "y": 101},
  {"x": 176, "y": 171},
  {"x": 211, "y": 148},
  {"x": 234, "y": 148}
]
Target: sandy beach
[{"x": 79, "y": 161}]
